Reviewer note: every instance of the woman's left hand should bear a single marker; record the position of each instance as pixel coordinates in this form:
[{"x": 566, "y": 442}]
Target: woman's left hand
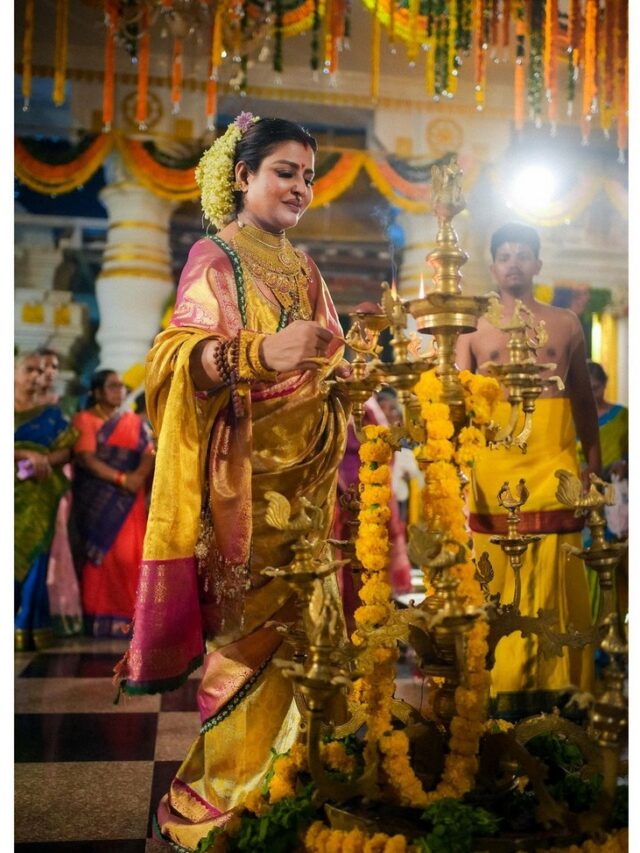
[{"x": 133, "y": 482}]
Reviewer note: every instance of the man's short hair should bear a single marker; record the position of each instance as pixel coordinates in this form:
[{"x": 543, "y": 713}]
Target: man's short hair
[
  {"x": 515, "y": 232},
  {"x": 597, "y": 372}
]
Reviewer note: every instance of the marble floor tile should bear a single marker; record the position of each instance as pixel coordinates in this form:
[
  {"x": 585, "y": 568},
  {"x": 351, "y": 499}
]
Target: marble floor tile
[
  {"x": 181, "y": 699},
  {"x": 118, "y": 845},
  {"x": 85, "y": 737},
  {"x": 73, "y": 696},
  {"x": 82, "y": 802},
  {"x": 72, "y": 665},
  {"x": 89, "y": 644},
  {"x": 176, "y": 732},
  {"x": 21, "y": 661}
]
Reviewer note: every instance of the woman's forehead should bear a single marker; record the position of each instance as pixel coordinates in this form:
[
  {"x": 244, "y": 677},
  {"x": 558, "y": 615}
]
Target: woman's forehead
[{"x": 293, "y": 152}]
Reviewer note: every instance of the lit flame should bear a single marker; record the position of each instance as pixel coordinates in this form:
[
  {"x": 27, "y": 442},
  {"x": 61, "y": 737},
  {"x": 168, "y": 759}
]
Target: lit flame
[
  {"x": 421, "y": 293},
  {"x": 394, "y": 289}
]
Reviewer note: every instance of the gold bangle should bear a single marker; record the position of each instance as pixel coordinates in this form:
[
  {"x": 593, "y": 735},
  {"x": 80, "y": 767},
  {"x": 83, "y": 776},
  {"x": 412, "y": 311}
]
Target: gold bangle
[{"x": 250, "y": 366}]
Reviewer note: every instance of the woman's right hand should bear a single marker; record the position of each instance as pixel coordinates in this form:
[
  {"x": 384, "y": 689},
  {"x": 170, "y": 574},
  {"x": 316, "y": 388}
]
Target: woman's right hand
[{"x": 291, "y": 348}]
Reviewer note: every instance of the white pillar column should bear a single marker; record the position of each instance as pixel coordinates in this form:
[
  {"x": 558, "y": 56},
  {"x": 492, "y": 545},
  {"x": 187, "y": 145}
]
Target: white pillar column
[{"x": 135, "y": 280}]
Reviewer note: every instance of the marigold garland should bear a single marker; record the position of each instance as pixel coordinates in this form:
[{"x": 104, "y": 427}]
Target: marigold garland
[
  {"x": 111, "y": 20},
  {"x": 143, "y": 71},
  {"x": 61, "y": 49},
  {"x": 27, "y": 52},
  {"x": 320, "y": 838}
]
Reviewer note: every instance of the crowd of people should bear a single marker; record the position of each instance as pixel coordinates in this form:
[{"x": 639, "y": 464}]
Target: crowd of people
[
  {"x": 238, "y": 398},
  {"x": 81, "y": 486}
]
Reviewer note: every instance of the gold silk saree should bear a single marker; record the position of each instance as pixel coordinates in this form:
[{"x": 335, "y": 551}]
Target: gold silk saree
[{"x": 202, "y": 596}]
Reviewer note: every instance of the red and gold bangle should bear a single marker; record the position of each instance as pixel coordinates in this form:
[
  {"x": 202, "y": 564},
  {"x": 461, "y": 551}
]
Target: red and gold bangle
[{"x": 120, "y": 479}]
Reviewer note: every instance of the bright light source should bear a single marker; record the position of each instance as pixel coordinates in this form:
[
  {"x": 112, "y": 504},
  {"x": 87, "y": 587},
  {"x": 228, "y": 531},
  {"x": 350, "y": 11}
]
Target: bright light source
[{"x": 533, "y": 188}]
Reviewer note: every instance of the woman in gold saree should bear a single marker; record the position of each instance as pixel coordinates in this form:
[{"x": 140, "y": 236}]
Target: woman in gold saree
[{"x": 237, "y": 395}]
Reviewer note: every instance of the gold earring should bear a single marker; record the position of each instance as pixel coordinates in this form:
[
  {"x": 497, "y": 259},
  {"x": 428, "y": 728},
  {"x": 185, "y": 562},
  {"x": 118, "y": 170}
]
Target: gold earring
[{"x": 237, "y": 186}]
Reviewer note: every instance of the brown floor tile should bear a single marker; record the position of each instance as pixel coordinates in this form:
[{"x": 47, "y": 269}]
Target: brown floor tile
[
  {"x": 74, "y": 696},
  {"x": 184, "y": 698},
  {"x": 82, "y": 801},
  {"x": 21, "y": 661},
  {"x": 84, "y": 737},
  {"x": 72, "y": 665},
  {"x": 154, "y": 846},
  {"x": 89, "y": 644},
  {"x": 176, "y": 732}
]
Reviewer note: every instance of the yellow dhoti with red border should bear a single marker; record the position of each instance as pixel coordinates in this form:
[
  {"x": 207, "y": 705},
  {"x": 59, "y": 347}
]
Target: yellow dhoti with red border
[{"x": 524, "y": 681}]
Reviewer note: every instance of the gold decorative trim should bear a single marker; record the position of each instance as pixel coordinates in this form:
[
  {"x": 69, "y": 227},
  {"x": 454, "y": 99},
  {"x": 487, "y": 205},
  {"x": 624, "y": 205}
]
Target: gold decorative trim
[
  {"x": 165, "y": 260},
  {"x": 134, "y": 272},
  {"x": 138, "y": 223}
]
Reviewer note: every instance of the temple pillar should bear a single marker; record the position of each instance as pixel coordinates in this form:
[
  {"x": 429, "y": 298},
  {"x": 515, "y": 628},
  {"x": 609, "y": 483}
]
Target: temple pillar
[{"x": 135, "y": 281}]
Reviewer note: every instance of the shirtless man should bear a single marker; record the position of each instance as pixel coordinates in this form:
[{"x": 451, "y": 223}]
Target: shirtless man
[
  {"x": 523, "y": 680},
  {"x": 515, "y": 251}
]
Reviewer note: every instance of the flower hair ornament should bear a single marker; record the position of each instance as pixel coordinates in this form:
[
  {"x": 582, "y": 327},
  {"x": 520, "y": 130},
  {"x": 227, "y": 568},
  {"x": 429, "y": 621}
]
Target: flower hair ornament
[{"x": 215, "y": 172}]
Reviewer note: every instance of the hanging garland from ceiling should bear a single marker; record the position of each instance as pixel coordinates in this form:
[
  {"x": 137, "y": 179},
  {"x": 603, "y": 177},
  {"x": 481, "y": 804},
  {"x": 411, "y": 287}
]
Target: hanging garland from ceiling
[{"x": 590, "y": 42}]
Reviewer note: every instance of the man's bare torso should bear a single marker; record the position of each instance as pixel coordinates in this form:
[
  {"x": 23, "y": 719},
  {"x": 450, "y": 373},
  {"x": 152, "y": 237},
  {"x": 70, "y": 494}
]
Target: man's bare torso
[{"x": 490, "y": 344}]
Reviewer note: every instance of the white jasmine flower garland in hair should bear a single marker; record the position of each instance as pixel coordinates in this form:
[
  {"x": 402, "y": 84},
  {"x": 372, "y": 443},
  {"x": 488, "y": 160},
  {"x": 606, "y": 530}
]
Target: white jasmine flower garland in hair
[{"x": 215, "y": 175}]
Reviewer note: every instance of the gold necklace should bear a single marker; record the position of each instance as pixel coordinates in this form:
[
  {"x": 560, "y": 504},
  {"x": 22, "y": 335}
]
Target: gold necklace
[
  {"x": 271, "y": 259},
  {"x": 101, "y": 413}
]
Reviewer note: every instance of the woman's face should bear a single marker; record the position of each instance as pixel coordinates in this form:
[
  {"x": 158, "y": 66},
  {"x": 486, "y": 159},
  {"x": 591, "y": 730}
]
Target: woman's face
[
  {"x": 112, "y": 392},
  {"x": 28, "y": 374},
  {"x": 51, "y": 369},
  {"x": 277, "y": 195}
]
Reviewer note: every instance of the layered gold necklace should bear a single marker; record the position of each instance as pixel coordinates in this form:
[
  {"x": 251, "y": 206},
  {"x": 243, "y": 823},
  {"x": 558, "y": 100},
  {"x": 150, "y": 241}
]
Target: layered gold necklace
[{"x": 271, "y": 259}]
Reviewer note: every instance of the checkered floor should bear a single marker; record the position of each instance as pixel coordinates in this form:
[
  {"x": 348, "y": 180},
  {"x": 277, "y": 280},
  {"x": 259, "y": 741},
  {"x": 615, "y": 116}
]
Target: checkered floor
[{"x": 89, "y": 773}]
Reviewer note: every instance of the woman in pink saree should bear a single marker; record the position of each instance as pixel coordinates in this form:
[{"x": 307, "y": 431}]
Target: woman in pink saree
[{"x": 237, "y": 394}]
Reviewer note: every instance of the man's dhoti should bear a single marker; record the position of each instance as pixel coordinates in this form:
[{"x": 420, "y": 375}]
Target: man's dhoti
[{"x": 523, "y": 680}]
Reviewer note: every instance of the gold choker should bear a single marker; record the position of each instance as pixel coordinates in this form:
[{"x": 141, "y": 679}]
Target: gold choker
[{"x": 271, "y": 259}]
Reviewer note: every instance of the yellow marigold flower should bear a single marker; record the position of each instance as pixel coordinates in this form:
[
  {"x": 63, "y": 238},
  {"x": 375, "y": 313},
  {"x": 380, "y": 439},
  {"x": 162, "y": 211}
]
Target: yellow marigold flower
[
  {"x": 368, "y": 530},
  {"x": 432, "y": 412},
  {"x": 376, "y": 843},
  {"x": 255, "y": 802},
  {"x": 379, "y": 515},
  {"x": 373, "y": 431},
  {"x": 379, "y": 476},
  {"x": 280, "y": 788},
  {"x": 428, "y": 387},
  {"x": 370, "y": 614},
  {"x": 373, "y": 562},
  {"x": 312, "y": 834},
  {"x": 375, "y": 451},
  {"x": 397, "y": 844},
  {"x": 380, "y": 495},
  {"x": 337, "y": 758},
  {"x": 375, "y": 592},
  {"x": 439, "y": 429},
  {"x": 439, "y": 449}
]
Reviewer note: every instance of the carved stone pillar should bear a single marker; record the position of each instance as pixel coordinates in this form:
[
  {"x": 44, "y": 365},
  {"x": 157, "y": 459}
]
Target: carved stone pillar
[{"x": 135, "y": 281}]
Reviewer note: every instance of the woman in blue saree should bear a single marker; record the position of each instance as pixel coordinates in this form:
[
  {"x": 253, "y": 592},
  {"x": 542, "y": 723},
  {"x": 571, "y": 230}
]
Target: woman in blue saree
[{"x": 42, "y": 445}]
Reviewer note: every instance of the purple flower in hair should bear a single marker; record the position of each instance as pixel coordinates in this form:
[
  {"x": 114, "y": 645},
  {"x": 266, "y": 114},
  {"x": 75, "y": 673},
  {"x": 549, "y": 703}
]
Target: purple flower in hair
[{"x": 244, "y": 121}]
